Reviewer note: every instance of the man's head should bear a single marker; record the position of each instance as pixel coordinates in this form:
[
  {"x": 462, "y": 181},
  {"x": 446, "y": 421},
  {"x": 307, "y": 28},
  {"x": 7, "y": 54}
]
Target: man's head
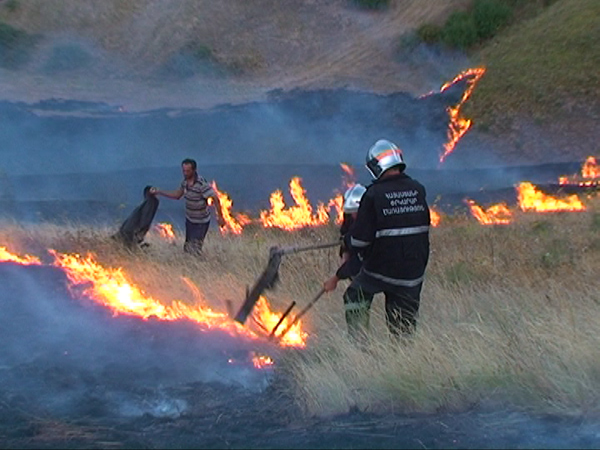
[
  {"x": 188, "y": 168},
  {"x": 383, "y": 156}
]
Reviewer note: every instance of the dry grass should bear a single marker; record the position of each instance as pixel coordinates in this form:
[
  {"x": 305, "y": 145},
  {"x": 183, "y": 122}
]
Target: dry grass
[
  {"x": 281, "y": 32},
  {"x": 261, "y": 45},
  {"x": 509, "y": 314}
]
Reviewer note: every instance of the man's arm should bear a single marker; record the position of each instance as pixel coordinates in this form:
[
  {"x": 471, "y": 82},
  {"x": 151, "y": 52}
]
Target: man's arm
[{"x": 176, "y": 194}]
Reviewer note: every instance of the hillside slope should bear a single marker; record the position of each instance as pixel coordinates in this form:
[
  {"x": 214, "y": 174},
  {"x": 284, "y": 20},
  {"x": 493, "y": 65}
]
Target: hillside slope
[
  {"x": 263, "y": 44},
  {"x": 540, "y": 96},
  {"x": 538, "y": 102}
]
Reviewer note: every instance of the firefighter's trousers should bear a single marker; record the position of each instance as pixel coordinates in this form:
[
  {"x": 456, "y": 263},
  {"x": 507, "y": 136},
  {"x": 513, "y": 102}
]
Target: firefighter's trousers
[{"x": 401, "y": 306}]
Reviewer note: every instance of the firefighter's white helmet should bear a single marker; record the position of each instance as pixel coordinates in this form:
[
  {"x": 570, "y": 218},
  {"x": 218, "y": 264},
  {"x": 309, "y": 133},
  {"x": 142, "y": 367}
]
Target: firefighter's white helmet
[
  {"x": 352, "y": 198},
  {"x": 384, "y": 155}
]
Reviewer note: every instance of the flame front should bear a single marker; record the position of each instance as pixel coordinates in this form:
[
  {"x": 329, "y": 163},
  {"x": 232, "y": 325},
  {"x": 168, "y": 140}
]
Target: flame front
[
  {"x": 267, "y": 319},
  {"x": 234, "y": 225},
  {"x": 298, "y": 216},
  {"x": 111, "y": 288},
  {"x": 590, "y": 174},
  {"x": 531, "y": 199},
  {"x": 27, "y": 260},
  {"x": 458, "y": 125},
  {"x": 495, "y": 214},
  {"x": 590, "y": 169}
]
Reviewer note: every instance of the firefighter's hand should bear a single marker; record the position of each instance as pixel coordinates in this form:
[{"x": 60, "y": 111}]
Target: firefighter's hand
[{"x": 331, "y": 284}]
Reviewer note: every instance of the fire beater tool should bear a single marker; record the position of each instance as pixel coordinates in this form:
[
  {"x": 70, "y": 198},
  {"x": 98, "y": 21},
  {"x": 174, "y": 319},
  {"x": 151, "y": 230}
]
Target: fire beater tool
[
  {"x": 270, "y": 275},
  {"x": 283, "y": 316},
  {"x": 298, "y": 316}
]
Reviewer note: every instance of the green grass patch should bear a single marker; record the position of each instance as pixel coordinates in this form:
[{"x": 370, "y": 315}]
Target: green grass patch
[
  {"x": 490, "y": 16},
  {"x": 460, "y": 31},
  {"x": 467, "y": 29},
  {"x": 429, "y": 33},
  {"x": 539, "y": 67}
]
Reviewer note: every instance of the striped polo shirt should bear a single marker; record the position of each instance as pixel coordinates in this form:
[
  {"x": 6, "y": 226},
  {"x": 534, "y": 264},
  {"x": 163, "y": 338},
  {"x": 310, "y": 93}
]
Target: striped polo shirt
[{"x": 196, "y": 196}]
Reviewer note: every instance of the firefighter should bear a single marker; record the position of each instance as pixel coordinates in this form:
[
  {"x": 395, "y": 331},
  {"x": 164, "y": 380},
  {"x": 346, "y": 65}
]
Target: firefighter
[
  {"x": 391, "y": 235},
  {"x": 350, "y": 261}
]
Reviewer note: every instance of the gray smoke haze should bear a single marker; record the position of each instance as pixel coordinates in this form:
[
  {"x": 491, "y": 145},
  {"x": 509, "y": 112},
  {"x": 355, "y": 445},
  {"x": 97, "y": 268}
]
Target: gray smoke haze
[
  {"x": 69, "y": 356},
  {"x": 69, "y": 157},
  {"x": 84, "y": 159},
  {"x": 66, "y": 150},
  {"x": 312, "y": 128}
]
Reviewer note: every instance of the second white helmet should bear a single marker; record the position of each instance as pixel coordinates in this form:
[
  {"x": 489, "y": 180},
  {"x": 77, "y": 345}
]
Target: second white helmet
[{"x": 352, "y": 198}]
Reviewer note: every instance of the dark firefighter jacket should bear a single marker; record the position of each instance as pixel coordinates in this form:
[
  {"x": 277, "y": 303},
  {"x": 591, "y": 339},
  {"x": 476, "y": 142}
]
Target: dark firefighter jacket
[
  {"x": 134, "y": 228},
  {"x": 352, "y": 265},
  {"x": 391, "y": 231}
]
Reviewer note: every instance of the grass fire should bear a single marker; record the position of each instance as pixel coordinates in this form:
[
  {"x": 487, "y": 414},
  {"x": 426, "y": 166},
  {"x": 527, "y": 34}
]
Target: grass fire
[{"x": 493, "y": 325}]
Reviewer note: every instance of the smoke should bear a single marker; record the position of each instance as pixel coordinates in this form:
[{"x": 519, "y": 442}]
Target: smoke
[
  {"x": 69, "y": 157},
  {"x": 68, "y": 356},
  {"x": 82, "y": 161},
  {"x": 298, "y": 127}
]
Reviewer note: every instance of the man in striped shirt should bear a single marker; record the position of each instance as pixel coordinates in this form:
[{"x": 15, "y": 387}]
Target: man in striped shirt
[{"x": 196, "y": 191}]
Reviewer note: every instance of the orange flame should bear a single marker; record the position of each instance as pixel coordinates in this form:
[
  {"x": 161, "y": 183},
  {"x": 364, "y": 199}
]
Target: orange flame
[
  {"x": 531, "y": 199},
  {"x": 337, "y": 203},
  {"x": 298, "y": 216},
  {"x": 458, "y": 125},
  {"x": 234, "y": 225},
  {"x": 590, "y": 172},
  {"x": 295, "y": 217},
  {"x": 165, "y": 230},
  {"x": 435, "y": 217},
  {"x": 111, "y": 288},
  {"x": 268, "y": 320},
  {"x": 27, "y": 260},
  {"x": 590, "y": 168},
  {"x": 349, "y": 175},
  {"x": 495, "y": 214},
  {"x": 261, "y": 361}
]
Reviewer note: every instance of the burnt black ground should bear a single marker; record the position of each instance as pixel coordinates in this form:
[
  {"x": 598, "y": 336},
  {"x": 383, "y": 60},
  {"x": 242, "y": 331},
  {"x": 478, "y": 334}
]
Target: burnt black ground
[{"x": 74, "y": 376}]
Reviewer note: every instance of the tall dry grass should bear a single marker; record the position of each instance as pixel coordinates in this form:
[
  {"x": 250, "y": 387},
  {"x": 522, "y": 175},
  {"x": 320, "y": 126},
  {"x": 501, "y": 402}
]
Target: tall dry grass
[{"x": 509, "y": 314}]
